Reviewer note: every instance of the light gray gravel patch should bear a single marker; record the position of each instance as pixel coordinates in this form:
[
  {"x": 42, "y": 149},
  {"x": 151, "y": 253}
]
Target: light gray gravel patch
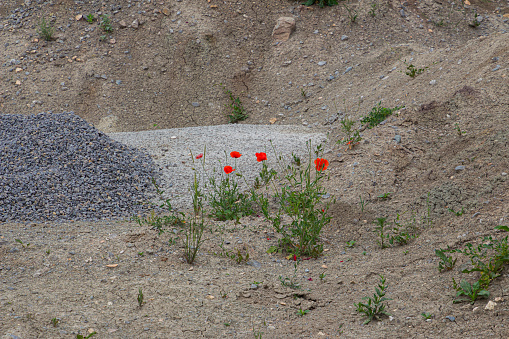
[{"x": 171, "y": 151}]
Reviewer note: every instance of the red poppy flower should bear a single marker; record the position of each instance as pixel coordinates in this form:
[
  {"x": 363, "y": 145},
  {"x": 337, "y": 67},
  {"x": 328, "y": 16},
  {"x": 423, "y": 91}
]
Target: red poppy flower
[
  {"x": 228, "y": 169},
  {"x": 199, "y": 156},
  {"x": 261, "y": 157},
  {"x": 294, "y": 257},
  {"x": 310, "y": 279},
  {"x": 323, "y": 210},
  {"x": 321, "y": 164},
  {"x": 235, "y": 154}
]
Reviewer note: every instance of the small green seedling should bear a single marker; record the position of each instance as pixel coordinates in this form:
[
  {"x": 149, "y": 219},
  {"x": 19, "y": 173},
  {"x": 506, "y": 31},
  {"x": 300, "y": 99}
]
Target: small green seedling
[
  {"x": 427, "y": 315},
  {"x": 352, "y": 13},
  {"x": 22, "y": 244},
  {"x": 141, "y": 254},
  {"x": 302, "y": 312},
  {"x": 48, "y": 251},
  {"x": 322, "y": 276},
  {"x": 363, "y": 203},
  {"x": 375, "y": 307},
  {"x": 364, "y": 252},
  {"x": 140, "y": 297},
  {"x": 90, "y": 18},
  {"x": 257, "y": 283},
  {"x": 379, "y": 229},
  {"x": 413, "y": 71},
  {"x": 80, "y": 336},
  {"x": 458, "y": 213},
  {"x": 458, "y": 129},
  {"x": 303, "y": 92},
  {"x": 373, "y": 9},
  {"x": 385, "y": 196},
  {"x": 446, "y": 262},
  {"x": 106, "y": 23},
  {"x": 45, "y": 30},
  {"x": 226, "y": 324},
  {"x": 350, "y": 244},
  {"x": 472, "y": 292},
  {"x": 54, "y": 322}
]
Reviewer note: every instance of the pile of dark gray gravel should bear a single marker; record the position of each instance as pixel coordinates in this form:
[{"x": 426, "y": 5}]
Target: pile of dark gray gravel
[{"x": 56, "y": 167}]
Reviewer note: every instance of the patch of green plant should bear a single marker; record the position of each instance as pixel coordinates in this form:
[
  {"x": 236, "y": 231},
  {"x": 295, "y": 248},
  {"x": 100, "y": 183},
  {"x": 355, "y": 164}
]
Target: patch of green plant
[
  {"x": 303, "y": 92},
  {"x": 106, "y": 23},
  {"x": 265, "y": 176},
  {"x": 413, "y": 71},
  {"x": 458, "y": 129},
  {"x": 321, "y": 3},
  {"x": 22, "y": 243},
  {"x": 140, "y": 297},
  {"x": 90, "y": 18},
  {"x": 193, "y": 238},
  {"x": 363, "y": 203},
  {"x": 380, "y": 230},
  {"x": 226, "y": 201},
  {"x": 322, "y": 276},
  {"x": 236, "y": 109},
  {"x": 446, "y": 261},
  {"x": 488, "y": 258},
  {"x": 378, "y": 114},
  {"x": 375, "y": 307},
  {"x": 300, "y": 198},
  {"x": 350, "y": 244},
  {"x": 470, "y": 291},
  {"x": 352, "y": 13},
  {"x": 385, "y": 196},
  {"x": 475, "y": 23},
  {"x": 291, "y": 282},
  {"x": 427, "y": 315},
  {"x": 458, "y": 213},
  {"x": 372, "y": 11},
  {"x": 236, "y": 256},
  {"x": 45, "y": 30},
  {"x": 159, "y": 222},
  {"x": 302, "y": 312},
  {"x": 352, "y": 137},
  {"x": 54, "y": 322},
  {"x": 80, "y": 336}
]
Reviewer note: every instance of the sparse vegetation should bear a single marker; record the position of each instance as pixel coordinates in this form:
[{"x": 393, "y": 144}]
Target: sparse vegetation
[
  {"x": 236, "y": 111},
  {"x": 378, "y": 114},
  {"x": 106, "y": 23},
  {"x": 375, "y": 307},
  {"x": 45, "y": 30},
  {"x": 321, "y": 3}
]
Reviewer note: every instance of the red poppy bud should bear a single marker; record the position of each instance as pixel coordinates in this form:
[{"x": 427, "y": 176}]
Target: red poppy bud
[
  {"x": 294, "y": 257},
  {"x": 199, "y": 156}
]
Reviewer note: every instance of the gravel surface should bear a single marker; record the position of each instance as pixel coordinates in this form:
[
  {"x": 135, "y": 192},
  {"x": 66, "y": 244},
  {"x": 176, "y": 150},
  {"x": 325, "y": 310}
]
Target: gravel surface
[
  {"x": 58, "y": 167},
  {"x": 171, "y": 150}
]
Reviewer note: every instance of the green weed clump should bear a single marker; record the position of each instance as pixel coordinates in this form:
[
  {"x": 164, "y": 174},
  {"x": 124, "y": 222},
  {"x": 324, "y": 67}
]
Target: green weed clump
[
  {"x": 375, "y": 307},
  {"x": 236, "y": 110},
  {"x": 45, "y": 30},
  {"x": 378, "y": 114},
  {"x": 300, "y": 198},
  {"x": 321, "y": 3}
]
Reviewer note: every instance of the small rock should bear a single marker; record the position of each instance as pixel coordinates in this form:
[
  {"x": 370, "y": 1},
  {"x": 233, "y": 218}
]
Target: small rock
[
  {"x": 79, "y": 17},
  {"x": 195, "y": 104},
  {"x": 246, "y": 294},
  {"x": 322, "y": 63},
  {"x": 459, "y": 168},
  {"x": 254, "y": 263},
  {"x": 14, "y": 250},
  {"x": 497, "y": 67},
  {"x": 166, "y": 11},
  {"x": 135, "y": 24},
  {"x": 451, "y": 318},
  {"x": 253, "y": 287},
  {"x": 348, "y": 69},
  {"x": 397, "y": 138},
  {"x": 344, "y": 37},
  {"x": 285, "y": 26},
  {"x": 476, "y": 310},
  {"x": 490, "y": 306},
  {"x": 122, "y": 24},
  {"x": 432, "y": 82}
]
